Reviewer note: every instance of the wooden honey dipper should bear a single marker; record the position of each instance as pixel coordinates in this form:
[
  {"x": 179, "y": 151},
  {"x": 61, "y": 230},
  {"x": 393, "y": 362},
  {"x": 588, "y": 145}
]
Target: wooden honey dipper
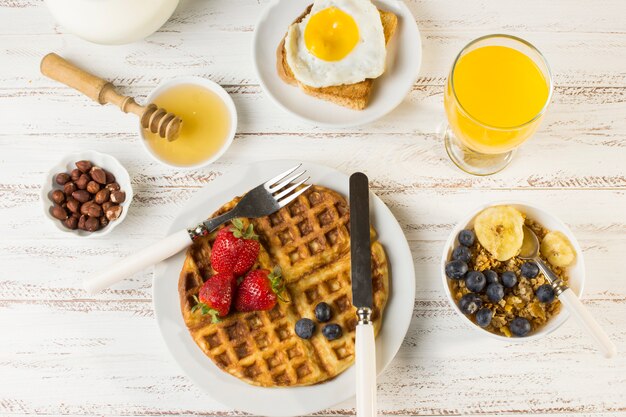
[{"x": 153, "y": 118}]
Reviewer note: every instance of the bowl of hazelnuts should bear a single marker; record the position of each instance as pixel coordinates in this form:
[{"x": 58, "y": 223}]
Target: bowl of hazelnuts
[{"x": 87, "y": 194}]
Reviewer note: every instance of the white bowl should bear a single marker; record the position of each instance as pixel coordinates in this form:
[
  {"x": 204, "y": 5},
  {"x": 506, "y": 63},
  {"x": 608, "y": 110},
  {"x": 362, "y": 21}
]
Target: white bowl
[
  {"x": 576, "y": 272},
  {"x": 67, "y": 164},
  {"x": 112, "y": 22},
  {"x": 211, "y": 86}
]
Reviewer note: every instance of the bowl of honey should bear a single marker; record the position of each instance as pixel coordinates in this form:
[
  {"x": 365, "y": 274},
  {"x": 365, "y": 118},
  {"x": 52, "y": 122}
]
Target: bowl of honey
[{"x": 209, "y": 122}]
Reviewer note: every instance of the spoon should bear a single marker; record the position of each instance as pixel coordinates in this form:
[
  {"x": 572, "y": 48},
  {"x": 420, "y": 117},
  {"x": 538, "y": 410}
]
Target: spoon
[{"x": 530, "y": 251}]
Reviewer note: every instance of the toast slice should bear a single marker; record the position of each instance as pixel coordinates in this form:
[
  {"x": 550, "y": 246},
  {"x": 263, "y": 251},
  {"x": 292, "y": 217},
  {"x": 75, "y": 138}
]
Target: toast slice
[{"x": 354, "y": 96}]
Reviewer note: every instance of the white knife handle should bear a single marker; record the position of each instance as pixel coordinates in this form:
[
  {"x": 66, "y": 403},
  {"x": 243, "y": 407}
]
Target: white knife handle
[
  {"x": 151, "y": 255},
  {"x": 365, "y": 370},
  {"x": 587, "y": 322}
]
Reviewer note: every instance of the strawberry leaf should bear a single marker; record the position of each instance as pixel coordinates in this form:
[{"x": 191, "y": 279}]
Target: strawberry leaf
[
  {"x": 278, "y": 285},
  {"x": 239, "y": 232},
  {"x": 205, "y": 310}
]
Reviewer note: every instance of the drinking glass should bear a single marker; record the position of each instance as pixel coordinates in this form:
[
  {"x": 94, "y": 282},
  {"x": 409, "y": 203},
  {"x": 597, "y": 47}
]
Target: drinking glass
[{"x": 495, "y": 98}]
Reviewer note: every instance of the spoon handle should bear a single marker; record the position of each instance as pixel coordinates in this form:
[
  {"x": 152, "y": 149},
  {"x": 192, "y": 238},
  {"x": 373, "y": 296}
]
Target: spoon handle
[
  {"x": 579, "y": 311},
  {"x": 586, "y": 321}
]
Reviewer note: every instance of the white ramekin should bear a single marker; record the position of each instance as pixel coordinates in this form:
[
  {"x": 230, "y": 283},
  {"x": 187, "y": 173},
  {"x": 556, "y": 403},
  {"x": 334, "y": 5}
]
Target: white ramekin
[
  {"x": 211, "y": 86},
  {"x": 66, "y": 164},
  {"x": 576, "y": 272}
]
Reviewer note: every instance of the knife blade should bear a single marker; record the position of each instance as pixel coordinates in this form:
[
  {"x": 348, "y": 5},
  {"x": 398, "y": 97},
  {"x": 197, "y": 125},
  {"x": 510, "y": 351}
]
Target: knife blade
[{"x": 360, "y": 251}]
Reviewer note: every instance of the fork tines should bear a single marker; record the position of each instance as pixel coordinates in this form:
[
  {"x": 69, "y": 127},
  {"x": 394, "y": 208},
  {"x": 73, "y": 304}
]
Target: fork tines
[{"x": 282, "y": 187}]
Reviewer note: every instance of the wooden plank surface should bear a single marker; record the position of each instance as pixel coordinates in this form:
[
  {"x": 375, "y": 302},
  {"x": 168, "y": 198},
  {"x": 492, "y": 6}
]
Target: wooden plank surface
[{"x": 63, "y": 353}]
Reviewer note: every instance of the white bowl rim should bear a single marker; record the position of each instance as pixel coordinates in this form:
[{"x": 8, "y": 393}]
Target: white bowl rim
[
  {"x": 61, "y": 165},
  {"x": 209, "y": 85},
  {"x": 562, "y": 316}
]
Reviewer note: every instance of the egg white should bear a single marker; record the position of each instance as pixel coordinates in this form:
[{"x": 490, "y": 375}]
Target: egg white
[{"x": 366, "y": 60}]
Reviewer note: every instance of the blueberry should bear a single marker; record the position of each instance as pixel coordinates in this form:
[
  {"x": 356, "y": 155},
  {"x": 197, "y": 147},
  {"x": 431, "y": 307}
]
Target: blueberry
[
  {"x": 332, "y": 331},
  {"x": 509, "y": 279},
  {"x": 323, "y": 312},
  {"x": 519, "y": 326},
  {"x": 529, "y": 269},
  {"x": 483, "y": 317},
  {"x": 462, "y": 253},
  {"x": 495, "y": 292},
  {"x": 492, "y": 276},
  {"x": 305, "y": 328},
  {"x": 545, "y": 293},
  {"x": 466, "y": 237},
  {"x": 470, "y": 303},
  {"x": 456, "y": 269},
  {"x": 475, "y": 281}
]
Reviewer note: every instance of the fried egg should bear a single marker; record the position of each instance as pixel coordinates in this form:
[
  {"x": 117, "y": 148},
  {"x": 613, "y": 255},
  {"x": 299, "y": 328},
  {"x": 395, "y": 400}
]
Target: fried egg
[{"x": 338, "y": 42}]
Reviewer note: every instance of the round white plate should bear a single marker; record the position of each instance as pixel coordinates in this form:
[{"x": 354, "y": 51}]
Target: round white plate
[
  {"x": 229, "y": 390},
  {"x": 404, "y": 56}
]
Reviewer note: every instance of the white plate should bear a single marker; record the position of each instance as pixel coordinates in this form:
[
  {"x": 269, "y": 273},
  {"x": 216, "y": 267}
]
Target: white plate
[
  {"x": 404, "y": 56},
  {"x": 229, "y": 390}
]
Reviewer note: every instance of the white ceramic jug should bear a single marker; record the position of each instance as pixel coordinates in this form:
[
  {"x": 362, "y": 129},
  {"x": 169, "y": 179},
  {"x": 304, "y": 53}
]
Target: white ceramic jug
[{"x": 112, "y": 22}]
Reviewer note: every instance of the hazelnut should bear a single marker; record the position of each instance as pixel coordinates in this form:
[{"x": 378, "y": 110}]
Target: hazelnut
[
  {"x": 103, "y": 222},
  {"x": 83, "y": 181},
  {"x": 84, "y": 209},
  {"x": 98, "y": 175},
  {"x": 61, "y": 178},
  {"x": 92, "y": 224},
  {"x": 106, "y": 205},
  {"x": 81, "y": 222},
  {"x": 110, "y": 177},
  {"x": 71, "y": 223},
  {"x": 58, "y": 212},
  {"x": 94, "y": 210},
  {"x": 73, "y": 205},
  {"x": 57, "y": 196},
  {"x": 102, "y": 196},
  {"x": 118, "y": 197},
  {"x": 81, "y": 195},
  {"x": 113, "y": 212},
  {"x": 69, "y": 188},
  {"x": 75, "y": 174},
  {"x": 93, "y": 187},
  {"x": 113, "y": 187},
  {"x": 84, "y": 166}
]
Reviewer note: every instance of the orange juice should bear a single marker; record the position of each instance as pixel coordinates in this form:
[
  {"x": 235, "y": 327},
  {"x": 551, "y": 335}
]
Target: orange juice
[
  {"x": 205, "y": 130},
  {"x": 500, "y": 95}
]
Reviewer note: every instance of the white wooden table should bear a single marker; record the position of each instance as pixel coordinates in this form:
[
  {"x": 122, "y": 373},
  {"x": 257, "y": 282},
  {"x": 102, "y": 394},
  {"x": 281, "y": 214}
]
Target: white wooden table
[{"x": 64, "y": 353}]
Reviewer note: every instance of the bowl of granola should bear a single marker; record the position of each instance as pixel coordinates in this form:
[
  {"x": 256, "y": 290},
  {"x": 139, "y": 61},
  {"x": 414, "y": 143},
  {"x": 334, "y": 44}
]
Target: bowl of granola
[{"x": 495, "y": 291}]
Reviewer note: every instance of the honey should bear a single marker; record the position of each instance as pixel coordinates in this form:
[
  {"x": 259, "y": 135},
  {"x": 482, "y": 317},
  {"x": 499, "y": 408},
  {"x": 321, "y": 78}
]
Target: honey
[{"x": 205, "y": 130}]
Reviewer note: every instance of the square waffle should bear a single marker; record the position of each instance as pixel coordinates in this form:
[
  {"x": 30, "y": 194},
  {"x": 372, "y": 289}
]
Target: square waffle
[{"x": 310, "y": 240}]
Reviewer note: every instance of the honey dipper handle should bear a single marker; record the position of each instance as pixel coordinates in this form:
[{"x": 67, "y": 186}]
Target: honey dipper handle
[{"x": 57, "y": 68}]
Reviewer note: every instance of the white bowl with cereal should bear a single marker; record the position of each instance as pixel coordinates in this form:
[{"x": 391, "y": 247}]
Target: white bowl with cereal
[{"x": 519, "y": 306}]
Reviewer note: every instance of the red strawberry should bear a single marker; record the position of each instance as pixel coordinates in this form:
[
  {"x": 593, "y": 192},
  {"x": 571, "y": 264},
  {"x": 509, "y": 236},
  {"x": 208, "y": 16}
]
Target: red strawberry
[
  {"x": 235, "y": 249},
  {"x": 259, "y": 290},
  {"x": 216, "y": 296}
]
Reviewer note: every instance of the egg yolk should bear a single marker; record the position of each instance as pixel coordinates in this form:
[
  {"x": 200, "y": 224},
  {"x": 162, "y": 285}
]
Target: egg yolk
[{"x": 331, "y": 34}]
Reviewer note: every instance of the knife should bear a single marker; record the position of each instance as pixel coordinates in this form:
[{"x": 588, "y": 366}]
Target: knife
[{"x": 362, "y": 298}]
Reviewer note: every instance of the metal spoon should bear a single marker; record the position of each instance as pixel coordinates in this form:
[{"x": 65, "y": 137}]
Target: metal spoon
[{"x": 530, "y": 251}]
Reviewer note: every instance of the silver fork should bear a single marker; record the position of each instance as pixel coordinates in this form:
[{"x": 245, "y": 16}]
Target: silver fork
[{"x": 262, "y": 200}]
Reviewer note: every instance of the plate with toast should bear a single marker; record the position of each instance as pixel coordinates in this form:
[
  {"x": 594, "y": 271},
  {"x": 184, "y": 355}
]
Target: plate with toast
[
  {"x": 337, "y": 63},
  {"x": 258, "y": 361}
]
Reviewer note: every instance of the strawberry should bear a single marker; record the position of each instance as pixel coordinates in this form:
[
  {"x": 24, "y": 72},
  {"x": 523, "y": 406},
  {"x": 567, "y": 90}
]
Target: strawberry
[
  {"x": 259, "y": 290},
  {"x": 235, "y": 249},
  {"x": 216, "y": 296}
]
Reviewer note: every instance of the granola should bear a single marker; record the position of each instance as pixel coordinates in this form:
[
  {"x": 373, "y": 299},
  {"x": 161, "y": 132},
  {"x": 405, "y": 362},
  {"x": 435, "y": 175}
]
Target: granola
[{"x": 518, "y": 301}]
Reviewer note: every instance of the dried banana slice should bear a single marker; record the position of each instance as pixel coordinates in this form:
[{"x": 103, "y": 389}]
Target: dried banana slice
[
  {"x": 557, "y": 249},
  {"x": 499, "y": 230}
]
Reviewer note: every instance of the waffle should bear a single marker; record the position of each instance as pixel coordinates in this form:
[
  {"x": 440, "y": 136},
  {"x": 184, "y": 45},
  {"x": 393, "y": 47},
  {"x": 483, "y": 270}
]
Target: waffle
[{"x": 310, "y": 240}]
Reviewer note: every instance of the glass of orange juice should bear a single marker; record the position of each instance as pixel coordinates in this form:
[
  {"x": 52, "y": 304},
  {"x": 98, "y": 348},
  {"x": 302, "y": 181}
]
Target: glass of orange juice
[{"x": 496, "y": 95}]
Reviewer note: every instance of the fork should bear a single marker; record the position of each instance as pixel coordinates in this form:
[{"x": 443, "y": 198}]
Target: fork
[{"x": 262, "y": 200}]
